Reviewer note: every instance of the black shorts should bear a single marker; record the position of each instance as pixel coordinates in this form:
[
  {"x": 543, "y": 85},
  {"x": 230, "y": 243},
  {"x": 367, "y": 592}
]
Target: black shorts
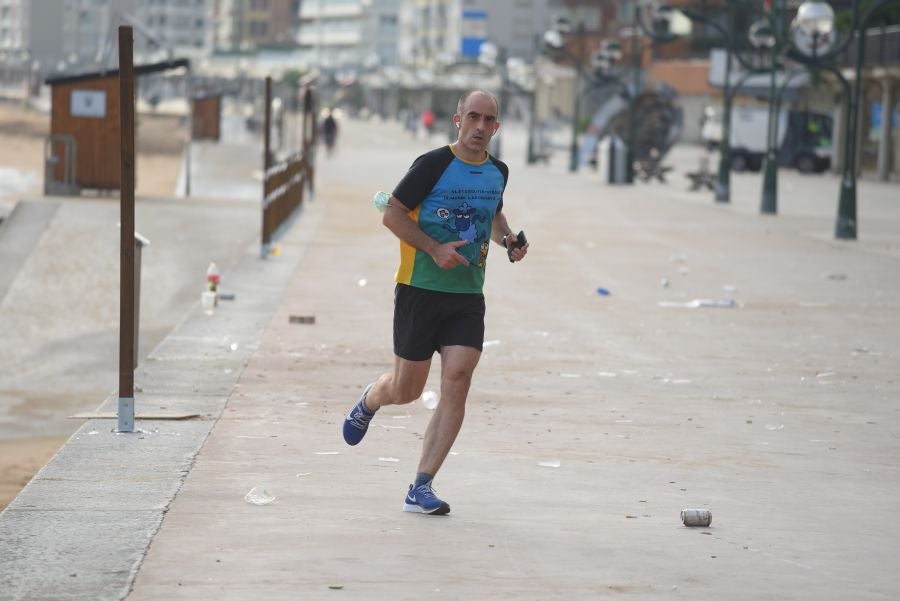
[{"x": 425, "y": 320}]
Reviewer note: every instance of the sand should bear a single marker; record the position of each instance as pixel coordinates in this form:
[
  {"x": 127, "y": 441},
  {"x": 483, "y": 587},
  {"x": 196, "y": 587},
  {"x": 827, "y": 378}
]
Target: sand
[
  {"x": 20, "y": 459},
  {"x": 22, "y": 133}
]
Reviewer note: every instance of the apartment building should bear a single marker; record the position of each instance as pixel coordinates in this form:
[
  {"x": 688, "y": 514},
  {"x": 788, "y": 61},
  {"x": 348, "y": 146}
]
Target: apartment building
[
  {"x": 247, "y": 25},
  {"x": 178, "y": 24},
  {"x": 437, "y": 33},
  {"x": 349, "y": 33},
  {"x": 58, "y": 36},
  {"x": 53, "y": 36}
]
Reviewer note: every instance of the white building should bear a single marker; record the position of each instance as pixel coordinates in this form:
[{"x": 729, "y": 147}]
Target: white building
[
  {"x": 181, "y": 25},
  {"x": 337, "y": 34},
  {"x": 436, "y": 33},
  {"x": 247, "y": 25},
  {"x": 60, "y": 36}
]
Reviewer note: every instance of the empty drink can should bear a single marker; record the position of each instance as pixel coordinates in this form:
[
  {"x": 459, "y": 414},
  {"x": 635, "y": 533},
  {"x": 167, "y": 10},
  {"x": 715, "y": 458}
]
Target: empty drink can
[{"x": 696, "y": 517}]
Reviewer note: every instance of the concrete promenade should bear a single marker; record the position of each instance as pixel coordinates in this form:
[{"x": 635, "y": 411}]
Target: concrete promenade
[{"x": 777, "y": 409}]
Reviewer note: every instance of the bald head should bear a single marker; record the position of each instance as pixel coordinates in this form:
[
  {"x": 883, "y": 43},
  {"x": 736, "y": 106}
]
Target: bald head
[{"x": 461, "y": 105}]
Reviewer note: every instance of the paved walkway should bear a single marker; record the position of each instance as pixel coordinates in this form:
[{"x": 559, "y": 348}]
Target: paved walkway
[{"x": 776, "y": 411}]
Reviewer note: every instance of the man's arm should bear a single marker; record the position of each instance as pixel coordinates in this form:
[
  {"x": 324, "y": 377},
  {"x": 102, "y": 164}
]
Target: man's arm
[
  {"x": 500, "y": 228},
  {"x": 396, "y": 218}
]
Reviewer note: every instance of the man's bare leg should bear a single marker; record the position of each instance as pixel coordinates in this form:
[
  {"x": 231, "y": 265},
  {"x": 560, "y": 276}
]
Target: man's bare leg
[
  {"x": 404, "y": 385},
  {"x": 457, "y": 365}
]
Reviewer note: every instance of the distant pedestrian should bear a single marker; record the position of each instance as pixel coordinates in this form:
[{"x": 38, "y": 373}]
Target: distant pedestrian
[
  {"x": 445, "y": 211},
  {"x": 427, "y": 120},
  {"x": 330, "y": 131}
]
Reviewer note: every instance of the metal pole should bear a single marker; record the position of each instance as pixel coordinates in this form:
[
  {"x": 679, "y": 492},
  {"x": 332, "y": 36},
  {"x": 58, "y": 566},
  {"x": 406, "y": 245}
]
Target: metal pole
[
  {"x": 769, "y": 203},
  {"x": 723, "y": 181},
  {"x": 126, "y": 247},
  {"x": 190, "y": 136},
  {"x": 267, "y": 126},
  {"x": 845, "y": 229},
  {"x": 497, "y": 140},
  {"x": 504, "y": 99},
  {"x": 530, "y": 158},
  {"x": 137, "y": 298},
  {"x": 573, "y": 157},
  {"x": 636, "y": 84}
]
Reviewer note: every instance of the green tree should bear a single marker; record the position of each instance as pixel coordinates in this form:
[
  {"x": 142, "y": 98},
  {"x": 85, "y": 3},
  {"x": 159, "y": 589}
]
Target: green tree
[{"x": 889, "y": 14}]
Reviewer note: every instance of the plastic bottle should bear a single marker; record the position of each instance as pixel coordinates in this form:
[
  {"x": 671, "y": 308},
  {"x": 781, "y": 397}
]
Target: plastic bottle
[
  {"x": 381, "y": 200},
  {"x": 430, "y": 399},
  {"x": 212, "y": 280}
]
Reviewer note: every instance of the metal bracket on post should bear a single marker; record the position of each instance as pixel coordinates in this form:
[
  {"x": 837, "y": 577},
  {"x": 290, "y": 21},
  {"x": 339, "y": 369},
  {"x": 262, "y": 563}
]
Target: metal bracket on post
[
  {"x": 126, "y": 415},
  {"x": 139, "y": 243}
]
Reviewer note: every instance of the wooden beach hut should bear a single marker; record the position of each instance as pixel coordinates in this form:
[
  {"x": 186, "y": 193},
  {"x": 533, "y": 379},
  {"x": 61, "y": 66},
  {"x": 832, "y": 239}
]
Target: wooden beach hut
[
  {"x": 207, "y": 116},
  {"x": 83, "y": 149}
]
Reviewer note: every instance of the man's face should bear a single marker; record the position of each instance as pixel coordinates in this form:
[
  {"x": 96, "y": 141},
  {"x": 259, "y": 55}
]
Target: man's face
[{"x": 477, "y": 123}]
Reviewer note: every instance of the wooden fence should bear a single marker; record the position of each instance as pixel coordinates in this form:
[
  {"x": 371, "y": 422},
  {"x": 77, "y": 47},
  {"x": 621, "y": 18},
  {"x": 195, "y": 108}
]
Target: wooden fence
[{"x": 286, "y": 181}]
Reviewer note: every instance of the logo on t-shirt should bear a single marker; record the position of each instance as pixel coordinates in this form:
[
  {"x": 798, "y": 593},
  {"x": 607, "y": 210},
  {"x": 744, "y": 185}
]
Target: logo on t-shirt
[{"x": 464, "y": 221}]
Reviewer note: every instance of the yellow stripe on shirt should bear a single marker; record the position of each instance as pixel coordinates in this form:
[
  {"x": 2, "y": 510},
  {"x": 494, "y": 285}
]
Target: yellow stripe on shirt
[{"x": 407, "y": 255}]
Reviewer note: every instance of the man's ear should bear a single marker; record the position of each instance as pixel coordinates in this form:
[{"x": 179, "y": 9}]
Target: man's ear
[{"x": 456, "y": 121}]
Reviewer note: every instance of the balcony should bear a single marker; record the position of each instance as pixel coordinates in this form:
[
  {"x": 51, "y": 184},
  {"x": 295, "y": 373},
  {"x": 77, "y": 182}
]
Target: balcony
[{"x": 881, "y": 48}]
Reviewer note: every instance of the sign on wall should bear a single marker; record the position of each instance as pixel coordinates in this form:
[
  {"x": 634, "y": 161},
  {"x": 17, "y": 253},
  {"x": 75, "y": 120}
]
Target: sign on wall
[
  {"x": 88, "y": 103},
  {"x": 474, "y": 32}
]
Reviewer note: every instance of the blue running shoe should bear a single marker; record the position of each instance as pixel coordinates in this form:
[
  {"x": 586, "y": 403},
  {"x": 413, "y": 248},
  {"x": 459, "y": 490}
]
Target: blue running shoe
[
  {"x": 357, "y": 421},
  {"x": 422, "y": 499}
]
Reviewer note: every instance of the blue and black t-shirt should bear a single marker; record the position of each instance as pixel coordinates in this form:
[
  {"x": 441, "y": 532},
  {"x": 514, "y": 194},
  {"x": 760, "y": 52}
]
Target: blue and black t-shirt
[{"x": 451, "y": 199}]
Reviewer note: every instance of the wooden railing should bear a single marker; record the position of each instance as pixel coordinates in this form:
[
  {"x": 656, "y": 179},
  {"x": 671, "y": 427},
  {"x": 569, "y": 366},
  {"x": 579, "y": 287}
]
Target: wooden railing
[
  {"x": 286, "y": 181},
  {"x": 284, "y": 186}
]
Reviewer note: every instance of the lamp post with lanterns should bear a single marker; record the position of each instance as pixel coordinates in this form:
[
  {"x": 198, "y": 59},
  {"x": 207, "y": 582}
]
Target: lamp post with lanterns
[
  {"x": 514, "y": 77},
  {"x": 813, "y": 31},
  {"x": 665, "y": 25},
  {"x": 554, "y": 40},
  {"x": 812, "y": 43}
]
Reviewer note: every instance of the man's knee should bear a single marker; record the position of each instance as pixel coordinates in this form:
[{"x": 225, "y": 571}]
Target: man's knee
[
  {"x": 405, "y": 391},
  {"x": 457, "y": 377}
]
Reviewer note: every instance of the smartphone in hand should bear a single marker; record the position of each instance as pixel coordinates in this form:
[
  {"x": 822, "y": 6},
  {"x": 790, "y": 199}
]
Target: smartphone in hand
[{"x": 519, "y": 243}]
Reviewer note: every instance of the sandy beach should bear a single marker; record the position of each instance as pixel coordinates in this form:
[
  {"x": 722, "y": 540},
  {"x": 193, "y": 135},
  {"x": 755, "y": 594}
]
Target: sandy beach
[{"x": 25, "y": 449}]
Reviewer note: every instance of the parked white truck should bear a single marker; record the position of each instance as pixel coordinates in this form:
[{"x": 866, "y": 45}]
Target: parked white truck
[{"x": 804, "y": 138}]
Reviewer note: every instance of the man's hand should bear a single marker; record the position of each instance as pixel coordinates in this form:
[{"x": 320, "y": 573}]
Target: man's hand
[
  {"x": 446, "y": 257},
  {"x": 516, "y": 253}
]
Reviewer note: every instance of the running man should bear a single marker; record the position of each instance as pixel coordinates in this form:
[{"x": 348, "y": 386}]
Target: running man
[{"x": 445, "y": 211}]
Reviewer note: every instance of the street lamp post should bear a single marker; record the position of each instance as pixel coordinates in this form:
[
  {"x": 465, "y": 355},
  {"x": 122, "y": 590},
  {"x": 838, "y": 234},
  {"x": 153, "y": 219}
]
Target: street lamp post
[
  {"x": 576, "y": 110},
  {"x": 769, "y": 204},
  {"x": 636, "y": 64},
  {"x": 722, "y": 188},
  {"x": 845, "y": 228},
  {"x": 510, "y": 71},
  {"x": 815, "y": 18},
  {"x": 610, "y": 52},
  {"x": 553, "y": 39}
]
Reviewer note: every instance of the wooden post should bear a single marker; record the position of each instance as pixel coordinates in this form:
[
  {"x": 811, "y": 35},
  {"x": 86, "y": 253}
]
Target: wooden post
[
  {"x": 126, "y": 263},
  {"x": 267, "y": 126},
  {"x": 304, "y": 121}
]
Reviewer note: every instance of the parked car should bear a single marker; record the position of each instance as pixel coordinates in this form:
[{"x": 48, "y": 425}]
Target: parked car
[{"x": 804, "y": 138}]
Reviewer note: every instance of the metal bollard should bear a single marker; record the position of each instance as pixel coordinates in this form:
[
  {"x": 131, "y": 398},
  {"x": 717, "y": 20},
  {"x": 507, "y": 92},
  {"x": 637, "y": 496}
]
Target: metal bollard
[{"x": 139, "y": 243}]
